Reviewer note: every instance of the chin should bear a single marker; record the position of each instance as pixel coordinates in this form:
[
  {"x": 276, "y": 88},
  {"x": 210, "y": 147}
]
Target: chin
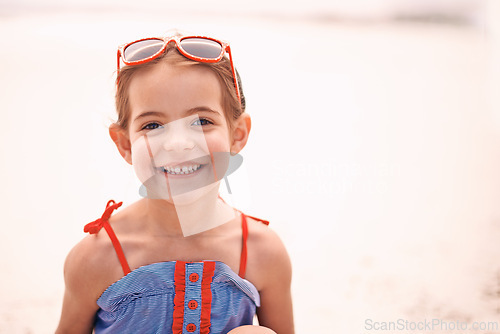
[
  {"x": 157, "y": 188},
  {"x": 195, "y": 196}
]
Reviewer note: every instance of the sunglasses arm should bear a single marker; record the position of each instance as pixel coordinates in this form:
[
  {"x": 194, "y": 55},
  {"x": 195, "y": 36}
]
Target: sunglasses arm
[
  {"x": 118, "y": 55},
  {"x": 236, "y": 86}
]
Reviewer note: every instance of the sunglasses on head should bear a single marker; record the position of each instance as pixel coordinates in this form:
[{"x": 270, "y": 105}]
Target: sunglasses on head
[{"x": 198, "y": 48}]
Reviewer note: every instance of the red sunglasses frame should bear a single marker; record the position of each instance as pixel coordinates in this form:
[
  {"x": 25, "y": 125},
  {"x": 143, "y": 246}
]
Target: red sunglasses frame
[{"x": 178, "y": 39}]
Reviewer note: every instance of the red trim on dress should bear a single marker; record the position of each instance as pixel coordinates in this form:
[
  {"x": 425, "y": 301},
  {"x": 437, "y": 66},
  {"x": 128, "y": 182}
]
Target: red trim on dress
[
  {"x": 180, "y": 269},
  {"x": 265, "y": 222},
  {"x": 206, "y": 296},
  {"x": 244, "y": 237},
  {"x": 243, "y": 257},
  {"x": 180, "y": 290},
  {"x": 95, "y": 226}
]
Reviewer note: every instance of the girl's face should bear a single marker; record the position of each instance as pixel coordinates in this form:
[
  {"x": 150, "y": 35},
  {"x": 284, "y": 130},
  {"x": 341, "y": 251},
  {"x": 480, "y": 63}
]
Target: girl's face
[{"x": 177, "y": 131}]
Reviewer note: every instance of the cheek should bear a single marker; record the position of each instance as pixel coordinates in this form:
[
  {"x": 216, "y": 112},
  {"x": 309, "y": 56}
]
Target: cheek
[
  {"x": 219, "y": 147},
  {"x": 141, "y": 160},
  {"x": 218, "y": 141}
]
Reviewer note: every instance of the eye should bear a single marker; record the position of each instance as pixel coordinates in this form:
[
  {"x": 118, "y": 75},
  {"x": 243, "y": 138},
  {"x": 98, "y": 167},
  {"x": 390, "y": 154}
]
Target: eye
[
  {"x": 151, "y": 126},
  {"x": 202, "y": 121}
]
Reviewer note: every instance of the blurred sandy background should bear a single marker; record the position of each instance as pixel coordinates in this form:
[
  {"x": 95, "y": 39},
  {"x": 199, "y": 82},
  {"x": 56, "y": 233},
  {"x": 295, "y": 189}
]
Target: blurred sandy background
[{"x": 375, "y": 148}]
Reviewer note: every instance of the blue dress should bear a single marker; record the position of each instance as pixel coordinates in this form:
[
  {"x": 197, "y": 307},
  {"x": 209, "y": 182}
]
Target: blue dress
[{"x": 175, "y": 296}]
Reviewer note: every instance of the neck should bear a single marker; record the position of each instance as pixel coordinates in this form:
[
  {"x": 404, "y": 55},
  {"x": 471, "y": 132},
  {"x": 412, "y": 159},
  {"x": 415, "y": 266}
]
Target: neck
[{"x": 185, "y": 217}]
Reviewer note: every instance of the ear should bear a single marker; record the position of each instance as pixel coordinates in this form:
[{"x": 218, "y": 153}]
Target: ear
[
  {"x": 122, "y": 141},
  {"x": 240, "y": 133}
]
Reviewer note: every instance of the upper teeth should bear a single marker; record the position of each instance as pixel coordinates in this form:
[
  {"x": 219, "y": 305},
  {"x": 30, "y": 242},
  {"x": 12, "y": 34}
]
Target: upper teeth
[{"x": 181, "y": 170}]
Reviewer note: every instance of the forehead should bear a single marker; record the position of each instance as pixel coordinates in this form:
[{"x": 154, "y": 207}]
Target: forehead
[{"x": 174, "y": 88}]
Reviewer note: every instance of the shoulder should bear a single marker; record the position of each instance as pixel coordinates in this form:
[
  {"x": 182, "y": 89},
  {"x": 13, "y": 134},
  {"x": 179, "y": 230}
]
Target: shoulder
[
  {"x": 87, "y": 273},
  {"x": 91, "y": 266},
  {"x": 263, "y": 241},
  {"x": 268, "y": 259},
  {"x": 269, "y": 269}
]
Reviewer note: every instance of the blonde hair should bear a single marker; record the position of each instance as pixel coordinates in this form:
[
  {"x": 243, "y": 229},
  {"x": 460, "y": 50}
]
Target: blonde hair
[{"x": 222, "y": 69}]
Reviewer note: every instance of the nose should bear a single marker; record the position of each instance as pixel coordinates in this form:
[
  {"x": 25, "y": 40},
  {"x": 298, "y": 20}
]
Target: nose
[{"x": 177, "y": 139}]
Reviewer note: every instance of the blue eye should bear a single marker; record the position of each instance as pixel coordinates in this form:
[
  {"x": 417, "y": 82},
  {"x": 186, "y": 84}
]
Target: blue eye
[
  {"x": 202, "y": 121},
  {"x": 151, "y": 126}
]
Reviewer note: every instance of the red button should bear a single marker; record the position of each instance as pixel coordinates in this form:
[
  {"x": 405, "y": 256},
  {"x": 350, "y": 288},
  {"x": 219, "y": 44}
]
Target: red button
[
  {"x": 194, "y": 277},
  {"x": 190, "y": 327},
  {"x": 193, "y": 304}
]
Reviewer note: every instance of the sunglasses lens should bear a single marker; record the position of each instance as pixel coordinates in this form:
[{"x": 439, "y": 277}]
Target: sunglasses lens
[
  {"x": 142, "y": 49},
  {"x": 202, "y": 47}
]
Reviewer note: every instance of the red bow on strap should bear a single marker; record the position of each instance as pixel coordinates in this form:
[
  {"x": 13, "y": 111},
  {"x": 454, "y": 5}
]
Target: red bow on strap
[{"x": 95, "y": 226}]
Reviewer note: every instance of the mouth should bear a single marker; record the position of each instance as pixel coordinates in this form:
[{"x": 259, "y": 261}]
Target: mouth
[{"x": 186, "y": 169}]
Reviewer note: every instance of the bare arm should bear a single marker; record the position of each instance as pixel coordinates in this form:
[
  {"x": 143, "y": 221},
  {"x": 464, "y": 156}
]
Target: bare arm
[
  {"x": 75, "y": 318},
  {"x": 276, "y": 310},
  {"x": 79, "y": 304}
]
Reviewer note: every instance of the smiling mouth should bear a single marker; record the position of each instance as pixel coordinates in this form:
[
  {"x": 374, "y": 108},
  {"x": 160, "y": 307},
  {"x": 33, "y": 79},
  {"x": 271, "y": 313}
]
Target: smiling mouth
[{"x": 181, "y": 170}]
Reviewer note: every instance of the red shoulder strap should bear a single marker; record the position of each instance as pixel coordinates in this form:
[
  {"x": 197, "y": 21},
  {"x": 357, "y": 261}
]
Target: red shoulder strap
[
  {"x": 244, "y": 227},
  {"x": 95, "y": 226},
  {"x": 243, "y": 258}
]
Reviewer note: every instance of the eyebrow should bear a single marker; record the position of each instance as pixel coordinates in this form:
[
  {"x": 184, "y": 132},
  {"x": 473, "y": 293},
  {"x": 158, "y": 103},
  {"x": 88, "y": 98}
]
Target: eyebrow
[{"x": 186, "y": 113}]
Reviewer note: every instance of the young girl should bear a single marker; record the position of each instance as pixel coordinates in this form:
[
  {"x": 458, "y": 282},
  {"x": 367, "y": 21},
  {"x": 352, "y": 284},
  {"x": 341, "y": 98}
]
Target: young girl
[{"x": 180, "y": 260}]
